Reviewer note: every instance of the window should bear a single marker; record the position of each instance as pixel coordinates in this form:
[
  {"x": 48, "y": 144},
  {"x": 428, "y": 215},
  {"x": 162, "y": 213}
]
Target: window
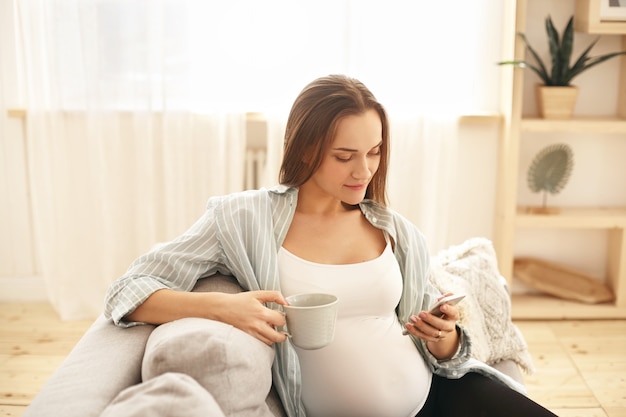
[{"x": 253, "y": 56}]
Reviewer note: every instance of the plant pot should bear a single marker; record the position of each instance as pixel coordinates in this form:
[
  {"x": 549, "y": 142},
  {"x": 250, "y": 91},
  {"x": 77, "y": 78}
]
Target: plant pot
[{"x": 556, "y": 102}]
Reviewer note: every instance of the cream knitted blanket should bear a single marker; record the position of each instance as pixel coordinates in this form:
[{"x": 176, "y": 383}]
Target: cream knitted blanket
[{"x": 471, "y": 268}]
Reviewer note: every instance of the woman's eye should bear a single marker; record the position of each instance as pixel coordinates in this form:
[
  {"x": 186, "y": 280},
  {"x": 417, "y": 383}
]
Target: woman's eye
[
  {"x": 343, "y": 158},
  {"x": 375, "y": 153}
]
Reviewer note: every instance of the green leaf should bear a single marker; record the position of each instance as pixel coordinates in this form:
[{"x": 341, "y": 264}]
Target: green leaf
[
  {"x": 550, "y": 169},
  {"x": 580, "y": 62},
  {"x": 567, "y": 45},
  {"x": 594, "y": 61},
  {"x": 554, "y": 44},
  {"x": 524, "y": 64},
  {"x": 541, "y": 71}
]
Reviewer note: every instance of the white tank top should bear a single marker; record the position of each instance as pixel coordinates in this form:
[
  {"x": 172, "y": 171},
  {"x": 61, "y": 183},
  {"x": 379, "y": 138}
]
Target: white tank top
[{"x": 370, "y": 369}]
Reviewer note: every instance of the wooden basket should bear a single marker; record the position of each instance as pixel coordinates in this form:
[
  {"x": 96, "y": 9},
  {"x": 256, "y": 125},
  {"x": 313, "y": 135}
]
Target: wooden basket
[{"x": 560, "y": 281}]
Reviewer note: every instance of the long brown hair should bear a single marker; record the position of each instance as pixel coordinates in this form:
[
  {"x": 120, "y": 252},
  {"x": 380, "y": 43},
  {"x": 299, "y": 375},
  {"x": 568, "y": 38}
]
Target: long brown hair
[{"x": 312, "y": 124}]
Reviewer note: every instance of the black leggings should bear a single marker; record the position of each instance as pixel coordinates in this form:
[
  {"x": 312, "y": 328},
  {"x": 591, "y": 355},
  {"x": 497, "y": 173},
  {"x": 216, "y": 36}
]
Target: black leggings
[{"x": 475, "y": 395}]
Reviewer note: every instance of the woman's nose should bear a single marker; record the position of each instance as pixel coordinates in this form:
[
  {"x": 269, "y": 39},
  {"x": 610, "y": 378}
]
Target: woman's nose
[{"x": 362, "y": 170}]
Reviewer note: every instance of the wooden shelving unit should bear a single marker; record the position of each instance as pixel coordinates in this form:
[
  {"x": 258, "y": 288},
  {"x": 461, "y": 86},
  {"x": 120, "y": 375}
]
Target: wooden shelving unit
[{"x": 511, "y": 216}]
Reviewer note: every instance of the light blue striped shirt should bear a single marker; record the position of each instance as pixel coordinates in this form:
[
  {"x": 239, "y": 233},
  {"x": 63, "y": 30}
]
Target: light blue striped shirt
[{"x": 233, "y": 237}]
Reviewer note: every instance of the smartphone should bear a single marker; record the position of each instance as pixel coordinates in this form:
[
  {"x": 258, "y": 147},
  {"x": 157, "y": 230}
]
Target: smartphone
[
  {"x": 434, "y": 310},
  {"x": 451, "y": 299}
]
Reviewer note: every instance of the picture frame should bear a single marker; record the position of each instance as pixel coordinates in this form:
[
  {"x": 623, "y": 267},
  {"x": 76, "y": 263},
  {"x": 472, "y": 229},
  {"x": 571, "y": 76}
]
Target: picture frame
[{"x": 613, "y": 10}]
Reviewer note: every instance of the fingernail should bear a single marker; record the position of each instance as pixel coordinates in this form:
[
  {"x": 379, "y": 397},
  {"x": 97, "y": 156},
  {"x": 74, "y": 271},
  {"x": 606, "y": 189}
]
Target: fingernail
[
  {"x": 413, "y": 319},
  {"x": 422, "y": 315}
]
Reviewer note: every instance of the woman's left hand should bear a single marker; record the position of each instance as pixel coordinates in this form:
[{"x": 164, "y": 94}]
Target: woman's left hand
[{"x": 439, "y": 332}]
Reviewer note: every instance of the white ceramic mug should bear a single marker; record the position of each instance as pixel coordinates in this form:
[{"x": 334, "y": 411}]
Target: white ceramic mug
[{"x": 311, "y": 319}]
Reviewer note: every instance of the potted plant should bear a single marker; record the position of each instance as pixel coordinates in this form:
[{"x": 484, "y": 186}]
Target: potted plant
[{"x": 557, "y": 96}]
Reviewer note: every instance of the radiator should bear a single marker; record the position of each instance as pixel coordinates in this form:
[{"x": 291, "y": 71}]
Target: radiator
[{"x": 255, "y": 168}]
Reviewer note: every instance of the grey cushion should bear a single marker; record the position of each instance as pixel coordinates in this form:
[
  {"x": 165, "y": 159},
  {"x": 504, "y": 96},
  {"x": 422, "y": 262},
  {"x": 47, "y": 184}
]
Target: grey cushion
[
  {"x": 228, "y": 284},
  {"x": 168, "y": 395},
  {"x": 233, "y": 366}
]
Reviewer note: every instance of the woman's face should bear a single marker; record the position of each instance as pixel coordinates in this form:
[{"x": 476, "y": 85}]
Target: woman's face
[{"x": 352, "y": 159}]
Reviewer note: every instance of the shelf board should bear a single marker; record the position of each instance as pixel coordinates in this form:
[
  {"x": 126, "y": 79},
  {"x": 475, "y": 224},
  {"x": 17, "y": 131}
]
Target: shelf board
[
  {"x": 574, "y": 218},
  {"x": 587, "y": 19},
  {"x": 544, "y": 307},
  {"x": 575, "y": 125}
]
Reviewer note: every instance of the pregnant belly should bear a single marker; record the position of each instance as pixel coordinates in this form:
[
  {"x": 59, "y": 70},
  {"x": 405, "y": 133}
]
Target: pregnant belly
[{"x": 370, "y": 369}]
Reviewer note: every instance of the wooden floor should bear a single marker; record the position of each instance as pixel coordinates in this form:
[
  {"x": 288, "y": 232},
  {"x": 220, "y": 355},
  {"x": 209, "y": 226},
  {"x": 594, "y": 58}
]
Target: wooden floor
[{"x": 581, "y": 365}]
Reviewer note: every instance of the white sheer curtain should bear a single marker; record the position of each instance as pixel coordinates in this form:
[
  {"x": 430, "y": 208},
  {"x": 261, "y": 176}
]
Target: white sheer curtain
[
  {"x": 422, "y": 171},
  {"x": 136, "y": 110},
  {"x": 276, "y": 124},
  {"x": 116, "y": 163},
  {"x": 107, "y": 187}
]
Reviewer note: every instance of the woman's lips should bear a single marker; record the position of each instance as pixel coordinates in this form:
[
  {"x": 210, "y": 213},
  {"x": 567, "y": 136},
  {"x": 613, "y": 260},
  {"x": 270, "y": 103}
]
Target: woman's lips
[{"x": 357, "y": 187}]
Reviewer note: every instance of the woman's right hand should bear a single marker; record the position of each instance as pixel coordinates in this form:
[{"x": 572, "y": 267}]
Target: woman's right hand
[{"x": 247, "y": 312}]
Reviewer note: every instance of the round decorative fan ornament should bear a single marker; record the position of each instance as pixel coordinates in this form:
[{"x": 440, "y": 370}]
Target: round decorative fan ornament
[{"x": 549, "y": 172}]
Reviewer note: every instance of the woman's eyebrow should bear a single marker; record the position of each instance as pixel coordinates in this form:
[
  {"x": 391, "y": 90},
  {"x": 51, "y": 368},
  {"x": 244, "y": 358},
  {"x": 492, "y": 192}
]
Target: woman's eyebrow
[{"x": 356, "y": 150}]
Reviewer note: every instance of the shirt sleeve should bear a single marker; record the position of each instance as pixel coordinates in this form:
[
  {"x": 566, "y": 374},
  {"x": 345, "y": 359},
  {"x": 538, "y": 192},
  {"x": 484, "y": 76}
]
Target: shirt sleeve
[
  {"x": 449, "y": 367},
  {"x": 176, "y": 265}
]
